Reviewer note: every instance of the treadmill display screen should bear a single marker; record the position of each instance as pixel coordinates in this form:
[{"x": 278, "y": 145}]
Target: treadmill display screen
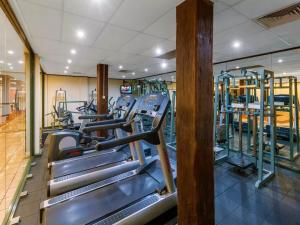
[{"x": 126, "y": 89}]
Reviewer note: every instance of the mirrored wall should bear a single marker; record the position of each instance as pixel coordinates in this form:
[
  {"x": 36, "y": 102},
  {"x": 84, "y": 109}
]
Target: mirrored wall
[{"x": 14, "y": 62}]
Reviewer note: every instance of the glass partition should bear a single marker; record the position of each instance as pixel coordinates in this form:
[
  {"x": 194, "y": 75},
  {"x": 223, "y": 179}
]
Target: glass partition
[{"x": 13, "y": 152}]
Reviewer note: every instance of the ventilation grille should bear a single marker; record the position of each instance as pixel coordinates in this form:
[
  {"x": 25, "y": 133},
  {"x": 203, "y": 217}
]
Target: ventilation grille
[
  {"x": 124, "y": 71},
  {"x": 280, "y": 17}
]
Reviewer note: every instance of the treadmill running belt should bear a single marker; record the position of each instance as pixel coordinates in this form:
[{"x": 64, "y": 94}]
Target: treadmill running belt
[
  {"x": 87, "y": 163},
  {"x": 101, "y": 202}
]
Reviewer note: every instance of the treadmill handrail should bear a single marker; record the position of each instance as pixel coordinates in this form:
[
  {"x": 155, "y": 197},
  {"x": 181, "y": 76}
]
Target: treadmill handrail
[
  {"x": 126, "y": 140},
  {"x": 96, "y": 116},
  {"x": 104, "y": 127},
  {"x": 104, "y": 122}
]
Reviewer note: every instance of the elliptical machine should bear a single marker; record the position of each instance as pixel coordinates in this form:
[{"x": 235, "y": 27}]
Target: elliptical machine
[{"x": 70, "y": 143}]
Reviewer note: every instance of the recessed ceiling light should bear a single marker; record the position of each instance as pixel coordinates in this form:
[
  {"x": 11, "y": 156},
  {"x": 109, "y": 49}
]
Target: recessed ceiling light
[
  {"x": 164, "y": 65},
  {"x": 284, "y": 73},
  {"x": 69, "y": 61},
  {"x": 11, "y": 52},
  {"x": 20, "y": 61},
  {"x": 73, "y": 51},
  {"x": 9, "y": 64},
  {"x": 80, "y": 34},
  {"x": 237, "y": 67},
  {"x": 158, "y": 51},
  {"x": 236, "y": 44},
  {"x": 65, "y": 71},
  {"x": 11, "y": 67},
  {"x": 123, "y": 76},
  {"x": 280, "y": 61},
  {"x": 120, "y": 67},
  {"x": 67, "y": 67},
  {"x": 1, "y": 61},
  {"x": 146, "y": 70},
  {"x": 133, "y": 73}
]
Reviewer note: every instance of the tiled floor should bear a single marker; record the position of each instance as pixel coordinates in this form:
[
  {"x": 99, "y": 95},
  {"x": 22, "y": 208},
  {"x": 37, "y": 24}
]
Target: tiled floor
[
  {"x": 12, "y": 160},
  {"x": 237, "y": 202}
]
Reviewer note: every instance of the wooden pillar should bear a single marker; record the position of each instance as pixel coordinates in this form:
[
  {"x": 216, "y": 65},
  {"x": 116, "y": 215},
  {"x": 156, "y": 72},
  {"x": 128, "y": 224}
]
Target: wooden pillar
[
  {"x": 102, "y": 91},
  {"x": 194, "y": 121}
]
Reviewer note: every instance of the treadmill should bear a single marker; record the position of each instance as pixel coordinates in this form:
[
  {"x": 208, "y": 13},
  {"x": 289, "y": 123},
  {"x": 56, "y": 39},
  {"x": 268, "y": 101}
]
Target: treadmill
[
  {"x": 70, "y": 174},
  {"x": 134, "y": 197},
  {"x": 67, "y": 143}
]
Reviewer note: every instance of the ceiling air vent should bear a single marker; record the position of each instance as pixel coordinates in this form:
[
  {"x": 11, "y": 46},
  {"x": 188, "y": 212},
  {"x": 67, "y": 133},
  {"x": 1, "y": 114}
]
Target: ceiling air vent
[
  {"x": 168, "y": 55},
  {"x": 124, "y": 71},
  {"x": 280, "y": 17}
]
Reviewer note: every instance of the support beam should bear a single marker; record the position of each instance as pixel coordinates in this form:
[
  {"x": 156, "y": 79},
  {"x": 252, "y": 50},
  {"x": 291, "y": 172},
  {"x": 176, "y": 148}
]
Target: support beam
[
  {"x": 194, "y": 121},
  {"x": 102, "y": 91}
]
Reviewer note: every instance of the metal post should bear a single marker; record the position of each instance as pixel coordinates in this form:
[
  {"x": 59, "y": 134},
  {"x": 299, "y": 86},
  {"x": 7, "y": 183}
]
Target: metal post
[
  {"x": 261, "y": 128},
  {"x": 172, "y": 116},
  {"x": 272, "y": 124},
  {"x": 216, "y": 108},
  {"x": 296, "y": 115},
  {"x": 248, "y": 117},
  {"x": 227, "y": 113},
  {"x": 291, "y": 118}
]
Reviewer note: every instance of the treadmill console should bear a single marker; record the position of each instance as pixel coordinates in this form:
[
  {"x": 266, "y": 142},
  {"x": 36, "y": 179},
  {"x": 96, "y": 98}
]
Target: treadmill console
[
  {"x": 124, "y": 102},
  {"x": 152, "y": 104}
]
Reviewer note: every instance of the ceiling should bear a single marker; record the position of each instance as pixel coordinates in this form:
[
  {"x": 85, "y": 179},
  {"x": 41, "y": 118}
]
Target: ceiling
[{"x": 128, "y": 32}]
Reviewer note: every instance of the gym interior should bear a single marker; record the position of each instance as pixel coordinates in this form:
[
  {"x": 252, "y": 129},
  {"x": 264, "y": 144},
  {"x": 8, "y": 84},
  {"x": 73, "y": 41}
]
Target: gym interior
[{"x": 149, "y": 112}]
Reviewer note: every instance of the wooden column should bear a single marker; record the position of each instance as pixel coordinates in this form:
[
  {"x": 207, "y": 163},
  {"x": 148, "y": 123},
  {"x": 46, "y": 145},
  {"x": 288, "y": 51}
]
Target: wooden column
[
  {"x": 102, "y": 91},
  {"x": 194, "y": 121}
]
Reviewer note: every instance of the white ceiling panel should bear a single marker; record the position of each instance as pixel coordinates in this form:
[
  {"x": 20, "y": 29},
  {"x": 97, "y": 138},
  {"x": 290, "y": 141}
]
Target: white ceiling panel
[
  {"x": 38, "y": 22},
  {"x": 230, "y": 2},
  {"x": 95, "y": 9},
  {"x": 257, "y": 8},
  {"x": 219, "y": 6},
  {"x": 54, "y": 4},
  {"x": 165, "y": 26},
  {"x": 141, "y": 43},
  {"x": 139, "y": 14},
  {"x": 113, "y": 37},
  {"x": 239, "y": 32},
  {"x": 227, "y": 19},
  {"x": 72, "y": 23}
]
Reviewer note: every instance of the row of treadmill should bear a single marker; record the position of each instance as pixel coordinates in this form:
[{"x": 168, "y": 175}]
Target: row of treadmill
[{"x": 95, "y": 180}]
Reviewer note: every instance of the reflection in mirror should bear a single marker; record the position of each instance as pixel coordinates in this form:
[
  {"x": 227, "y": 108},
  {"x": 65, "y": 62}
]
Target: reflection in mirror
[{"x": 13, "y": 157}]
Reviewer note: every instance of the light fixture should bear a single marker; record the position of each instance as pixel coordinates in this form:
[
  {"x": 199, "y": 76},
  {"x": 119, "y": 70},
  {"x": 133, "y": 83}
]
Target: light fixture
[
  {"x": 73, "y": 51},
  {"x": 20, "y": 61},
  {"x": 237, "y": 67},
  {"x": 284, "y": 73},
  {"x": 9, "y": 64},
  {"x": 163, "y": 65},
  {"x": 123, "y": 76},
  {"x": 280, "y": 61},
  {"x": 1, "y": 61},
  {"x": 69, "y": 61},
  {"x": 80, "y": 34},
  {"x": 236, "y": 44},
  {"x": 158, "y": 51},
  {"x": 67, "y": 67},
  {"x": 120, "y": 67},
  {"x": 146, "y": 70},
  {"x": 11, "y": 67},
  {"x": 65, "y": 71},
  {"x": 133, "y": 73},
  {"x": 11, "y": 52}
]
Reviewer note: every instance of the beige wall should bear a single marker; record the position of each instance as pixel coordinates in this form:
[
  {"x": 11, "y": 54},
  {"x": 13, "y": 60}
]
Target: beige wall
[{"x": 77, "y": 88}]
